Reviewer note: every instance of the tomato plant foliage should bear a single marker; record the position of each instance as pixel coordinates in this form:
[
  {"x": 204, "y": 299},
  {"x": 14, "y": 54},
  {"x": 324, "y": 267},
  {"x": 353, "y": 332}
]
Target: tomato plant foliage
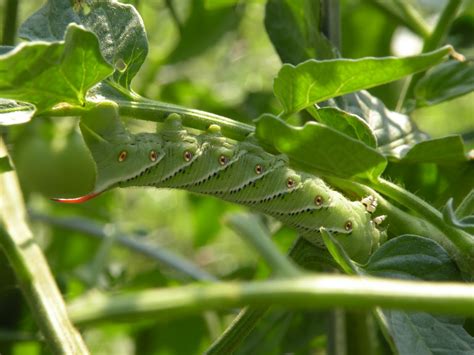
[{"x": 331, "y": 96}]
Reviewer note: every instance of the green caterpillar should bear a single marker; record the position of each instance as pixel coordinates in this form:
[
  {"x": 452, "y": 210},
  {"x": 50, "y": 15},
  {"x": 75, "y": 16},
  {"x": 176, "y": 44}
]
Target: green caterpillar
[{"x": 239, "y": 172}]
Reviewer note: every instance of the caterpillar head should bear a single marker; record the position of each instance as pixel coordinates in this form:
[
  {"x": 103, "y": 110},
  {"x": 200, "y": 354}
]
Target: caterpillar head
[
  {"x": 362, "y": 235},
  {"x": 118, "y": 154},
  {"x": 353, "y": 227}
]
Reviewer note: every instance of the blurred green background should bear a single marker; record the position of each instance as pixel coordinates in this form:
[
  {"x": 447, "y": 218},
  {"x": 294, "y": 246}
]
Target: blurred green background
[{"x": 209, "y": 55}]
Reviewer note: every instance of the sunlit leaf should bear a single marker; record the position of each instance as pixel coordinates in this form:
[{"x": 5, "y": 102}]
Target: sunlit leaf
[
  {"x": 320, "y": 147},
  {"x": 298, "y": 87},
  {"x": 445, "y": 82},
  {"x": 46, "y": 74},
  {"x": 294, "y": 29},
  {"x": 119, "y": 28}
]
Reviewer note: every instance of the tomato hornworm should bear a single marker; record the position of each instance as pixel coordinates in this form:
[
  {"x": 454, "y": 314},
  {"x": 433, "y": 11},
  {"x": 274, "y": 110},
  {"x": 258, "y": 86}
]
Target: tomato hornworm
[{"x": 240, "y": 172}]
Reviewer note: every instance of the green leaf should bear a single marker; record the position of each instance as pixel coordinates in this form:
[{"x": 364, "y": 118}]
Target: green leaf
[
  {"x": 395, "y": 132},
  {"x": 47, "y": 74},
  {"x": 445, "y": 82},
  {"x": 412, "y": 257},
  {"x": 5, "y": 49},
  {"x": 445, "y": 150},
  {"x": 435, "y": 183},
  {"x": 293, "y": 27},
  {"x": 425, "y": 334},
  {"x": 338, "y": 253},
  {"x": 466, "y": 207},
  {"x": 5, "y": 165},
  {"x": 319, "y": 147},
  {"x": 419, "y": 258},
  {"x": 13, "y": 112},
  {"x": 466, "y": 223},
  {"x": 359, "y": 40},
  {"x": 298, "y": 87},
  {"x": 345, "y": 122},
  {"x": 118, "y": 27},
  {"x": 202, "y": 29}
]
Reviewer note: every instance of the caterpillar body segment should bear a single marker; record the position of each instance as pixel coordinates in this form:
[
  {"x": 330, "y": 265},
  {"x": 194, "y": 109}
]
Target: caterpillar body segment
[{"x": 238, "y": 172}]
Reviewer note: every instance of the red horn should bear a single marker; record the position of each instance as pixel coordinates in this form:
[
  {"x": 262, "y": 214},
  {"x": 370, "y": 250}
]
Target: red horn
[{"x": 77, "y": 199}]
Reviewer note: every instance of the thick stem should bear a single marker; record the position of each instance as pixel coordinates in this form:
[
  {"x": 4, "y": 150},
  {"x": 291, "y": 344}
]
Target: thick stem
[
  {"x": 9, "y": 22},
  {"x": 32, "y": 271},
  {"x": 302, "y": 253},
  {"x": 315, "y": 292}
]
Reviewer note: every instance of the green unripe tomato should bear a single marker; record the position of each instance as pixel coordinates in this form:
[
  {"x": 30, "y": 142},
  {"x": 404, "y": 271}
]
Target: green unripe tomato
[{"x": 51, "y": 159}]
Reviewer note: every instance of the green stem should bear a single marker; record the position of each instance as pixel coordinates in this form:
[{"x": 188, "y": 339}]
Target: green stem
[
  {"x": 435, "y": 39},
  {"x": 442, "y": 26},
  {"x": 32, "y": 271},
  {"x": 157, "y": 111},
  {"x": 337, "y": 335},
  {"x": 174, "y": 15},
  {"x": 160, "y": 255},
  {"x": 412, "y": 17},
  {"x": 316, "y": 292},
  {"x": 331, "y": 22},
  {"x": 414, "y": 22},
  {"x": 304, "y": 254},
  {"x": 9, "y": 22},
  {"x": 361, "y": 333},
  {"x": 251, "y": 229},
  {"x": 238, "y": 330}
]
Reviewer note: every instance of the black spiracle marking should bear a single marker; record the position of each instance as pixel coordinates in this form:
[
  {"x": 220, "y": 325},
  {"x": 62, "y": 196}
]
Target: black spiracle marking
[
  {"x": 181, "y": 170},
  {"x": 141, "y": 174},
  {"x": 269, "y": 198}
]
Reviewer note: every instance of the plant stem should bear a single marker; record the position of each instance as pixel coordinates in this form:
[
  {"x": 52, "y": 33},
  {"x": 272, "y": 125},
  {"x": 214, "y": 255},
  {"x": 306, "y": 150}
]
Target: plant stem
[
  {"x": 360, "y": 333},
  {"x": 252, "y": 231},
  {"x": 442, "y": 26},
  {"x": 9, "y": 22},
  {"x": 238, "y": 330},
  {"x": 315, "y": 292},
  {"x": 304, "y": 254},
  {"x": 414, "y": 22},
  {"x": 337, "y": 341},
  {"x": 160, "y": 255},
  {"x": 157, "y": 111},
  {"x": 331, "y": 22},
  {"x": 32, "y": 271},
  {"x": 412, "y": 17},
  {"x": 435, "y": 39},
  {"x": 174, "y": 15}
]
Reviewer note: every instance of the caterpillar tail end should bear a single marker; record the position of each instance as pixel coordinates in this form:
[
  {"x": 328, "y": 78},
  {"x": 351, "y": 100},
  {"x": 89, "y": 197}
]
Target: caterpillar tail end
[{"x": 80, "y": 199}]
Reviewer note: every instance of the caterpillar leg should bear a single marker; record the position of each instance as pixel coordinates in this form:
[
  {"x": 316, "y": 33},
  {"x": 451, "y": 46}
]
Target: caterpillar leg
[
  {"x": 370, "y": 203},
  {"x": 379, "y": 220}
]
